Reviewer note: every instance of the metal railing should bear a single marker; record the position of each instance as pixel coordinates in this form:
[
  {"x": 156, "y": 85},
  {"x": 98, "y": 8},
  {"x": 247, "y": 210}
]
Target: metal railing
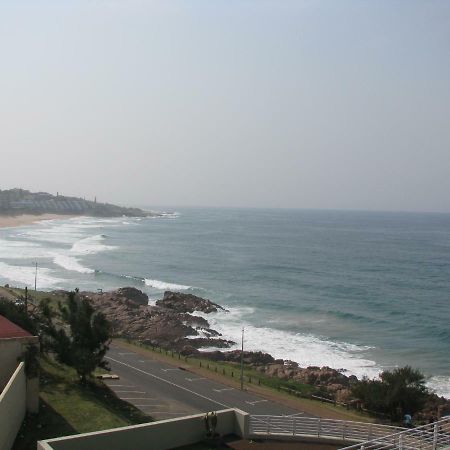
[
  {"x": 433, "y": 436},
  {"x": 312, "y": 427}
]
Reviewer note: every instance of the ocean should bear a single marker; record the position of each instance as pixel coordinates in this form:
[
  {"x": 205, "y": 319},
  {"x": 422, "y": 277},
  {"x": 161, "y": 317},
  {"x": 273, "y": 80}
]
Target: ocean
[{"x": 360, "y": 291}]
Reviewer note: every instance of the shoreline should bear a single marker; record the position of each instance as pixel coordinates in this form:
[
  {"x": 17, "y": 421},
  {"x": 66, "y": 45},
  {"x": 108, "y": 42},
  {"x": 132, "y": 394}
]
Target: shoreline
[{"x": 29, "y": 219}]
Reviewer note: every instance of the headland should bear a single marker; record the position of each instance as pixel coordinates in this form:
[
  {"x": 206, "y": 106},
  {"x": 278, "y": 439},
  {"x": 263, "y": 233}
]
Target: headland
[{"x": 19, "y": 207}]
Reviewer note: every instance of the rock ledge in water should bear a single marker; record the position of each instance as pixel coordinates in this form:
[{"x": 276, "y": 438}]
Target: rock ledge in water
[{"x": 187, "y": 303}]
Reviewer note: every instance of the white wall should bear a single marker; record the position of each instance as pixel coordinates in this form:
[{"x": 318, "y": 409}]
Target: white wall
[
  {"x": 11, "y": 351},
  {"x": 12, "y": 407}
]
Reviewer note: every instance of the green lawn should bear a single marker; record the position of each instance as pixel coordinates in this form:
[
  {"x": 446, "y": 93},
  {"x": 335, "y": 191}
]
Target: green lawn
[{"x": 69, "y": 408}]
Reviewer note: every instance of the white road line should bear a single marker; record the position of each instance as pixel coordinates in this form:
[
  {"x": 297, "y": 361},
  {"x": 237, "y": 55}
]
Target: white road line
[
  {"x": 171, "y": 413},
  {"x": 169, "y": 382},
  {"x": 168, "y": 370},
  {"x": 195, "y": 379},
  {"x": 254, "y": 402},
  {"x": 294, "y": 415},
  {"x": 137, "y": 398},
  {"x": 121, "y": 385},
  {"x": 224, "y": 389},
  {"x": 145, "y": 406},
  {"x": 130, "y": 392}
]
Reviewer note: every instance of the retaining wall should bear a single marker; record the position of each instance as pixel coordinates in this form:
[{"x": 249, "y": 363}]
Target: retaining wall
[{"x": 161, "y": 435}]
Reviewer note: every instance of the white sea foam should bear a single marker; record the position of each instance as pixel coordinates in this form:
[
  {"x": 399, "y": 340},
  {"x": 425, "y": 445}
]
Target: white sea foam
[
  {"x": 71, "y": 263},
  {"x": 440, "y": 385},
  {"x": 307, "y": 350},
  {"x": 25, "y": 275},
  {"x": 164, "y": 286},
  {"x": 90, "y": 245},
  {"x": 13, "y": 249}
]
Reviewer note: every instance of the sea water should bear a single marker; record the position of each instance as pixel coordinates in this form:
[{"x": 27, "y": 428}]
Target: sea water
[{"x": 360, "y": 291}]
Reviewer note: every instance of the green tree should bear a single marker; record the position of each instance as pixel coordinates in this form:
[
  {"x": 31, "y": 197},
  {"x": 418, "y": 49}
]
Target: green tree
[
  {"x": 396, "y": 393},
  {"x": 84, "y": 345},
  {"x": 405, "y": 391}
]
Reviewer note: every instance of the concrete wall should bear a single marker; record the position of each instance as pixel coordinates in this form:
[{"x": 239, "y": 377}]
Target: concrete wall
[
  {"x": 12, "y": 350},
  {"x": 161, "y": 435},
  {"x": 12, "y": 407}
]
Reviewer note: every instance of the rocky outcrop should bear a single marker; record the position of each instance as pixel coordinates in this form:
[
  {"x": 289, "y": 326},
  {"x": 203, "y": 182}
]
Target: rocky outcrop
[
  {"x": 173, "y": 327},
  {"x": 133, "y": 294},
  {"x": 187, "y": 303}
]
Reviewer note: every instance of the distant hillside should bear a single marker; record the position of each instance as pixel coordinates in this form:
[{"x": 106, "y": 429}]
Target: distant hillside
[{"x": 20, "y": 201}]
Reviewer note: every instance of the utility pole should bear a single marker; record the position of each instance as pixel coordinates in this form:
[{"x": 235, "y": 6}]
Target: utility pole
[
  {"x": 26, "y": 300},
  {"x": 242, "y": 361},
  {"x": 35, "y": 277}
]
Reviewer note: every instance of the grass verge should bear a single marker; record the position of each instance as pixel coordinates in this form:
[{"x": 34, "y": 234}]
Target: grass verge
[{"x": 67, "y": 407}]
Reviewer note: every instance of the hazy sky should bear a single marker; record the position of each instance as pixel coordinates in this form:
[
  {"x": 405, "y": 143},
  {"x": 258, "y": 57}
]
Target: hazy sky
[{"x": 309, "y": 104}]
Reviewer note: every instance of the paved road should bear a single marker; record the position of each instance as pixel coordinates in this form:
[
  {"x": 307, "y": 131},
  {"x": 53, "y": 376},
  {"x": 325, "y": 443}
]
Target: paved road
[{"x": 165, "y": 391}]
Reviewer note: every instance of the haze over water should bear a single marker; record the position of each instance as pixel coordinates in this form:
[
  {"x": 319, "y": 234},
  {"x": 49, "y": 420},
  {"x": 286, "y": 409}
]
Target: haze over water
[{"x": 355, "y": 290}]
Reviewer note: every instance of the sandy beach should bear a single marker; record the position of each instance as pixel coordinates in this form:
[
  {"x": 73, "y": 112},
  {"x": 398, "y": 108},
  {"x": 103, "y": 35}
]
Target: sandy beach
[{"x": 28, "y": 219}]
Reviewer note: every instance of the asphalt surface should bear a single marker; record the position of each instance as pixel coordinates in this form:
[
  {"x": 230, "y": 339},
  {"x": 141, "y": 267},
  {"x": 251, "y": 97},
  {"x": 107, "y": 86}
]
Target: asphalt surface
[{"x": 165, "y": 391}]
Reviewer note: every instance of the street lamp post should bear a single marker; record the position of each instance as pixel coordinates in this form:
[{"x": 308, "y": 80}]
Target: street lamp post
[
  {"x": 35, "y": 276},
  {"x": 242, "y": 361}
]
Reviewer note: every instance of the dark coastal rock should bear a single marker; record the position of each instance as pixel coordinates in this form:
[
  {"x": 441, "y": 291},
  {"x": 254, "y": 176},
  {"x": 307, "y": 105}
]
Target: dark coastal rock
[
  {"x": 133, "y": 294},
  {"x": 210, "y": 342},
  {"x": 187, "y": 303},
  {"x": 131, "y": 317},
  {"x": 254, "y": 358}
]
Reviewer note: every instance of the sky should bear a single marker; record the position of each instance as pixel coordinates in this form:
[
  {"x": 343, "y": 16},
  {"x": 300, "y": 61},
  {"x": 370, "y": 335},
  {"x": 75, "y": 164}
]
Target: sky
[{"x": 291, "y": 104}]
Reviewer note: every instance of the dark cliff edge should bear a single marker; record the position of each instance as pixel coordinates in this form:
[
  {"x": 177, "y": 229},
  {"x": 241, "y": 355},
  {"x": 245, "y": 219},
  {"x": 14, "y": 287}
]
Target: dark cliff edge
[{"x": 14, "y": 202}]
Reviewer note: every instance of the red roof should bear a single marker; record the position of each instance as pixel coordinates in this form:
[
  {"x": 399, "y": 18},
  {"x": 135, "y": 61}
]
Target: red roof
[{"x": 11, "y": 330}]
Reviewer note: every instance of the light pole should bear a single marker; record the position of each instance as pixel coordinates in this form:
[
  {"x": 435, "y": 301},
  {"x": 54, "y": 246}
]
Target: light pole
[
  {"x": 35, "y": 277},
  {"x": 242, "y": 361}
]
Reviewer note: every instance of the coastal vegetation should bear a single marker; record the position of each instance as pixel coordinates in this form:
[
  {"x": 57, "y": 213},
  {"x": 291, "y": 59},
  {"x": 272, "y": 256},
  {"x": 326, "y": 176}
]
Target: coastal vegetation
[
  {"x": 85, "y": 344},
  {"x": 397, "y": 392}
]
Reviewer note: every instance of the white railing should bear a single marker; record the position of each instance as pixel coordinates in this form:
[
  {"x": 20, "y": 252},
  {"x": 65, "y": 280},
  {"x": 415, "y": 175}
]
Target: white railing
[
  {"x": 433, "y": 436},
  {"x": 312, "y": 427}
]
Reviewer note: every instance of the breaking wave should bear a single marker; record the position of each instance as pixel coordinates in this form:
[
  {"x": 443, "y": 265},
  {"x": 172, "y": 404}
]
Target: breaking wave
[
  {"x": 71, "y": 263},
  {"x": 25, "y": 276},
  {"x": 91, "y": 245},
  {"x": 164, "y": 286}
]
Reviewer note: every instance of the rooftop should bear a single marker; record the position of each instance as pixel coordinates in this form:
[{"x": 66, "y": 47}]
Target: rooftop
[{"x": 11, "y": 330}]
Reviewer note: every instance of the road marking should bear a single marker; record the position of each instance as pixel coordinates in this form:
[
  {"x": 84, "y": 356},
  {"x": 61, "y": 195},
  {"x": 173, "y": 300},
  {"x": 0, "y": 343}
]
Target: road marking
[
  {"x": 195, "y": 379},
  {"x": 294, "y": 415},
  {"x": 130, "y": 392},
  {"x": 168, "y": 370},
  {"x": 169, "y": 382},
  {"x": 144, "y": 406},
  {"x": 254, "y": 402},
  {"x": 120, "y": 385},
  {"x": 137, "y": 398},
  {"x": 172, "y": 413},
  {"x": 126, "y": 353},
  {"x": 224, "y": 389}
]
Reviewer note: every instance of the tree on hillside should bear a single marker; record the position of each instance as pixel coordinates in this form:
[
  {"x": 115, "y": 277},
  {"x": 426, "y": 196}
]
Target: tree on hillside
[
  {"x": 82, "y": 341},
  {"x": 398, "y": 392},
  {"x": 405, "y": 391}
]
